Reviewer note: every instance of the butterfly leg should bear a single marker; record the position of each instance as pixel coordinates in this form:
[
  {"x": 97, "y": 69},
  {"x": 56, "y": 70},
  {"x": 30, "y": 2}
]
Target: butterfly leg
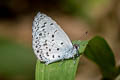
[
  {"x": 74, "y": 59},
  {"x": 48, "y": 62}
]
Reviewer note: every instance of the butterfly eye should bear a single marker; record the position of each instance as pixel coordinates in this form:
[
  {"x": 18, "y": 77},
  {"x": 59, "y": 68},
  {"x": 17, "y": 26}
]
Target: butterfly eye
[{"x": 76, "y": 46}]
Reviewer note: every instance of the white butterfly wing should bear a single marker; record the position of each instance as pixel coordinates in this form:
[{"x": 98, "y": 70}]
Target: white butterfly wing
[{"x": 50, "y": 42}]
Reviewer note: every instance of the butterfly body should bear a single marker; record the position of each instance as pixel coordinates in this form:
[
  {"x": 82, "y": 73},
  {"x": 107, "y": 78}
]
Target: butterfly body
[{"x": 50, "y": 42}]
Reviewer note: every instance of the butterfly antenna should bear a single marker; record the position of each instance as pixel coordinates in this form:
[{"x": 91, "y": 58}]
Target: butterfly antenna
[{"x": 84, "y": 35}]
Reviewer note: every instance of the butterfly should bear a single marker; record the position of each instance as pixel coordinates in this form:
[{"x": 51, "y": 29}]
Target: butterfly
[{"x": 50, "y": 43}]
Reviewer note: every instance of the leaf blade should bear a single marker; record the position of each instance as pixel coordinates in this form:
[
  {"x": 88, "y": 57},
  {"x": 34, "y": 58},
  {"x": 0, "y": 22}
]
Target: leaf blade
[
  {"x": 99, "y": 52},
  {"x": 63, "y": 70}
]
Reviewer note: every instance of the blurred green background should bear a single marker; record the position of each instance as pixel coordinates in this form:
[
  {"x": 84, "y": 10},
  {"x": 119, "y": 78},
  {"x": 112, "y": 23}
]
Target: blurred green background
[{"x": 98, "y": 17}]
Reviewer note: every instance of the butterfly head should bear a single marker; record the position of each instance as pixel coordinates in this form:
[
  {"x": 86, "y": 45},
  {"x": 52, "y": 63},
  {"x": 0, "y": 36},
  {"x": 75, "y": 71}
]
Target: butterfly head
[
  {"x": 76, "y": 50},
  {"x": 76, "y": 46}
]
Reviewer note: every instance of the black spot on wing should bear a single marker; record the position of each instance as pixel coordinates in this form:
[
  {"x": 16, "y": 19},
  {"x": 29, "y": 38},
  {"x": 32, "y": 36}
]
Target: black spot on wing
[
  {"x": 36, "y": 46},
  {"x": 43, "y": 30},
  {"x": 59, "y": 56},
  {"x": 36, "y": 37},
  {"x": 51, "y": 23},
  {"x": 45, "y": 44},
  {"x": 53, "y": 56},
  {"x": 43, "y": 26},
  {"x": 39, "y": 45},
  {"x": 40, "y": 57},
  {"x": 40, "y": 34},
  {"x": 55, "y": 31},
  {"x": 47, "y": 54},
  {"x": 35, "y": 41},
  {"x": 37, "y": 51},
  {"x": 49, "y": 49},
  {"x": 52, "y": 36},
  {"x": 61, "y": 43},
  {"x": 45, "y": 41},
  {"x": 45, "y": 23},
  {"x": 57, "y": 49},
  {"x": 46, "y": 47},
  {"x": 41, "y": 15}
]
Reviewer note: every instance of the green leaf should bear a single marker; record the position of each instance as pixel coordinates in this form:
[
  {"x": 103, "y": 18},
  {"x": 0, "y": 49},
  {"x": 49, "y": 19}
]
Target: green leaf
[
  {"x": 62, "y": 70},
  {"x": 16, "y": 59},
  {"x": 99, "y": 52},
  {"x": 118, "y": 76}
]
